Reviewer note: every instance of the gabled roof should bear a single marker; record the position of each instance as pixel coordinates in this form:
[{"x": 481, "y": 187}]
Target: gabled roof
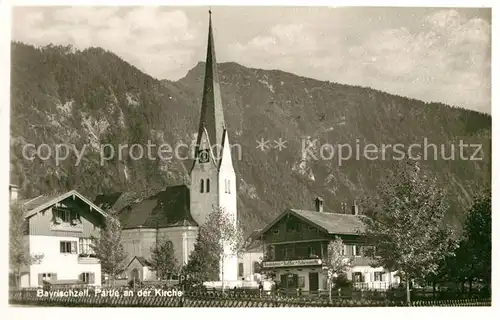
[
  {"x": 329, "y": 222},
  {"x": 149, "y": 209},
  {"x": 42, "y": 202},
  {"x": 143, "y": 261}
]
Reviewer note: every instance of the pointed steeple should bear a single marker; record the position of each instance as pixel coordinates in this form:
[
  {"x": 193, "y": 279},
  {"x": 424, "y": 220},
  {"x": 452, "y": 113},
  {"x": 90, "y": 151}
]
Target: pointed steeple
[{"x": 212, "y": 114}]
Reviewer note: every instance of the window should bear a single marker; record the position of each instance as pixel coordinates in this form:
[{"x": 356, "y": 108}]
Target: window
[
  {"x": 302, "y": 282},
  {"x": 67, "y": 246},
  {"x": 229, "y": 186},
  {"x": 46, "y": 277},
  {"x": 356, "y": 251},
  {"x": 208, "y": 185},
  {"x": 85, "y": 245},
  {"x": 292, "y": 226},
  {"x": 87, "y": 277},
  {"x": 64, "y": 215},
  {"x": 344, "y": 250},
  {"x": 240, "y": 269},
  {"x": 358, "y": 277},
  {"x": 312, "y": 251},
  {"x": 379, "y": 276},
  {"x": 201, "y": 185},
  {"x": 288, "y": 253}
]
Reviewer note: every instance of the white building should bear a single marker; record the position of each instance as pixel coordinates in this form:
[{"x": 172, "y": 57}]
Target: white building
[
  {"x": 59, "y": 230},
  {"x": 250, "y": 261}
]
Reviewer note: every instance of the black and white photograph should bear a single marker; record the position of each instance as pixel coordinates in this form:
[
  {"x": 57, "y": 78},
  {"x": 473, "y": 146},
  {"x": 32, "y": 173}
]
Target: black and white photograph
[{"x": 248, "y": 156}]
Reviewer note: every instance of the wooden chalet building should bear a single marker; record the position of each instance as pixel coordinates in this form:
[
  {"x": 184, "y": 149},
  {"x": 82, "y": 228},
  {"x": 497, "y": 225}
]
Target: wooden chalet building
[{"x": 296, "y": 244}]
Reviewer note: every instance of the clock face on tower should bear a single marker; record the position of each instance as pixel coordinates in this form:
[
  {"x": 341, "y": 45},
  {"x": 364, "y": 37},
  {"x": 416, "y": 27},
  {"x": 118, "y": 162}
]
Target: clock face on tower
[{"x": 203, "y": 156}]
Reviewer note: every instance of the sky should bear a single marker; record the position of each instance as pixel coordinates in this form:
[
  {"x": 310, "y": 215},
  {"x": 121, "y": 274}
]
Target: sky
[{"x": 431, "y": 54}]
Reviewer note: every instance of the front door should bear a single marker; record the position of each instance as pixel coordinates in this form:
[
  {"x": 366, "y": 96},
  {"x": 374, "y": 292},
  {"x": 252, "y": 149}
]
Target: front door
[{"x": 313, "y": 281}]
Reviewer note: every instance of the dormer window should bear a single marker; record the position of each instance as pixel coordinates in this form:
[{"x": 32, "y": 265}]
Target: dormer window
[
  {"x": 64, "y": 215},
  {"x": 66, "y": 219}
]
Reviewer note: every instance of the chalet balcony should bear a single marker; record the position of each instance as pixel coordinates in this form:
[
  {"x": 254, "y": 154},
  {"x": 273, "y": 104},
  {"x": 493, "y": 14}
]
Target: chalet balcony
[{"x": 87, "y": 259}]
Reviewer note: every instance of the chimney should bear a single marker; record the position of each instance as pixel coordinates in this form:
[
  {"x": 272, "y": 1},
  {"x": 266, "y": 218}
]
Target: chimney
[
  {"x": 319, "y": 204},
  {"x": 12, "y": 192},
  {"x": 355, "y": 208}
]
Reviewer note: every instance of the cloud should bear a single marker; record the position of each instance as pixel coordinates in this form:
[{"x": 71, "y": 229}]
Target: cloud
[
  {"x": 443, "y": 56},
  {"x": 160, "y": 42},
  {"x": 446, "y": 59}
]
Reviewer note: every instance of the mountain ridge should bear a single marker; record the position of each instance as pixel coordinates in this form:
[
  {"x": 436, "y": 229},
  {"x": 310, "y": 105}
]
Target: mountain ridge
[{"x": 94, "y": 97}]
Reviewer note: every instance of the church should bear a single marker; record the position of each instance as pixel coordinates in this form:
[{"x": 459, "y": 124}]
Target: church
[{"x": 176, "y": 212}]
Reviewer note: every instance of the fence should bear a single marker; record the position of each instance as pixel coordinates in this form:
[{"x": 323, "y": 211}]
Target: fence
[{"x": 216, "y": 300}]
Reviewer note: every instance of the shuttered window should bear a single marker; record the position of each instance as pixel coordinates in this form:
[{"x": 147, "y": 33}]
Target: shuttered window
[
  {"x": 46, "y": 277},
  {"x": 88, "y": 277}
]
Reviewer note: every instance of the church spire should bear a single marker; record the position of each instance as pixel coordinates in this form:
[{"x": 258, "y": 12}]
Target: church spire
[{"x": 212, "y": 114}]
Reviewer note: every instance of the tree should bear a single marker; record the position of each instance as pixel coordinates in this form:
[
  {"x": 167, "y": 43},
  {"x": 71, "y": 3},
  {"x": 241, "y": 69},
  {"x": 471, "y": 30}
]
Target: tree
[
  {"x": 19, "y": 255},
  {"x": 163, "y": 259},
  {"x": 337, "y": 262},
  {"x": 218, "y": 238},
  {"x": 474, "y": 253},
  {"x": 407, "y": 225},
  {"x": 109, "y": 248},
  {"x": 268, "y": 256}
]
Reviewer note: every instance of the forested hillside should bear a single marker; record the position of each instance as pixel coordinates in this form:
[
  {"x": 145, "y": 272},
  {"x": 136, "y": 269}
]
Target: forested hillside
[{"x": 92, "y": 97}]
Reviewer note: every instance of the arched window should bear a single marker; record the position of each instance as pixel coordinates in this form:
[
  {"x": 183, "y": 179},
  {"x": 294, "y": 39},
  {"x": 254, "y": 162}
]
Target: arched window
[
  {"x": 208, "y": 185},
  {"x": 240, "y": 269},
  {"x": 201, "y": 185}
]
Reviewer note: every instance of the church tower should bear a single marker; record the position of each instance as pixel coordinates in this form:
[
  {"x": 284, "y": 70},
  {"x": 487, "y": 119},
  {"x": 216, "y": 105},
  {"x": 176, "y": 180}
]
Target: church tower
[{"x": 213, "y": 180}]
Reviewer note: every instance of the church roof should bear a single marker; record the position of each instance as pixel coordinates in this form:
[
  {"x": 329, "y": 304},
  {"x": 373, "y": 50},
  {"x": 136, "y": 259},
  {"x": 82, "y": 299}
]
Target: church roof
[
  {"x": 150, "y": 209},
  {"x": 212, "y": 114}
]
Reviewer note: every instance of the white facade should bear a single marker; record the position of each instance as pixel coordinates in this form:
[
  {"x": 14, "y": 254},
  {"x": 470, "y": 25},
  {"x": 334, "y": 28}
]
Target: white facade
[
  {"x": 66, "y": 266},
  {"x": 204, "y": 194},
  {"x": 369, "y": 280},
  {"x": 221, "y": 193},
  {"x": 183, "y": 240},
  {"x": 143, "y": 273}
]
